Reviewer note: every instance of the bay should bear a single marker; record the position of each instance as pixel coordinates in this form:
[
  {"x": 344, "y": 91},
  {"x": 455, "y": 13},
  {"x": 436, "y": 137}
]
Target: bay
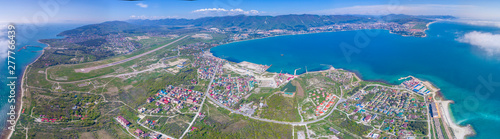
[{"x": 457, "y": 68}]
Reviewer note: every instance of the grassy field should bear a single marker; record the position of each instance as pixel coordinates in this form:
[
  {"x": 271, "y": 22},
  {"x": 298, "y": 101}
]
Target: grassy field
[
  {"x": 260, "y": 95},
  {"x": 173, "y": 126},
  {"x": 339, "y": 121},
  {"x": 289, "y": 87},
  {"x": 219, "y": 123},
  {"x": 103, "y": 128},
  {"x": 281, "y": 108},
  {"x": 66, "y": 73},
  {"x": 420, "y": 25}
]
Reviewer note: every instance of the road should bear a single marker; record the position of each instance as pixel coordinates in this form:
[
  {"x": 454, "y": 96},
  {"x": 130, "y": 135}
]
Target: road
[
  {"x": 127, "y": 129},
  {"x": 207, "y": 95},
  {"x": 279, "y": 122},
  {"x": 163, "y": 135},
  {"x": 437, "y": 126},
  {"x": 86, "y": 70},
  {"x": 201, "y": 107},
  {"x": 445, "y": 124}
]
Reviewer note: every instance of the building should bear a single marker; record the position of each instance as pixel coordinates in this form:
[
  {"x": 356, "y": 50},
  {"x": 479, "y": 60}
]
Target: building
[
  {"x": 138, "y": 132},
  {"x": 123, "y": 121},
  {"x": 434, "y": 112},
  {"x": 150, "y": 99},
  {"x": 367, "y": 118}
]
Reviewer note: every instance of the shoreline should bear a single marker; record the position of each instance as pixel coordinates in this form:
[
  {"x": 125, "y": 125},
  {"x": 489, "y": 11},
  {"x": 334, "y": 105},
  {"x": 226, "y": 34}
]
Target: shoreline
[
  {"x": 459, "y": 132},
  {"x": 427, "y": 25},
  {"x": 19, "y": 106},
  {"x": 8, "y": 133}
]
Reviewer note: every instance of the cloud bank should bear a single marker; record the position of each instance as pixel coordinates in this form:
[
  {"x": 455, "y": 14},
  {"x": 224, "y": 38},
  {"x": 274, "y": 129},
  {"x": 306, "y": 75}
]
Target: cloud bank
[
  {"x": 224, "y": 12},
  {"x": 142, "y": 5},
  {"x": 4, "y": 43},
  {"x": 482, "y": 23},
  {"x": 487, "y": 41}
]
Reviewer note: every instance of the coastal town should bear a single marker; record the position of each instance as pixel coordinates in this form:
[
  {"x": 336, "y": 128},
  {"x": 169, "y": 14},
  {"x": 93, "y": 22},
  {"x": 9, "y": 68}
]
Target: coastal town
[
  {"x": 409, "y": 29},
  {"x": 170, "y": 85},
  {"x": 385, "y": 111}
]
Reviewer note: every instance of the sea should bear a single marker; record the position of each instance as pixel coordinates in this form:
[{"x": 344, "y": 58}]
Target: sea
[
  {"x": 452, "y": 56},
  {"x": 26, "y": 35}
]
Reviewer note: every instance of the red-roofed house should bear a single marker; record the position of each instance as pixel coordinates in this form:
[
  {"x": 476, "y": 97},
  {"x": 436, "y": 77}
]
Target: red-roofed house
[
  {"x": 123, "y": 121},
  {"x": 138, "y": 132}
]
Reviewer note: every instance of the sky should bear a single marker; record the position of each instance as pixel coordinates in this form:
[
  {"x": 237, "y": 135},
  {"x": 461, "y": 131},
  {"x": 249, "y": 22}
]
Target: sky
[
  {"x": 95, "y": 11},
  {"x": 477, "y": 12}
]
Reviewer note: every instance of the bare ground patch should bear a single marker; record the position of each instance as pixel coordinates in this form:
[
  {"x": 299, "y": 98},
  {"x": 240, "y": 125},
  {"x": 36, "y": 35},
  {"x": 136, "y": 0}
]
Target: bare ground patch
[
  {"x": 103, "y": 134},
  {"x": 127, "y": 87},
  {"x": 112, "y": 91},
  {"x": 87, "y": 135},
  {"x": 300, "y": 91}
]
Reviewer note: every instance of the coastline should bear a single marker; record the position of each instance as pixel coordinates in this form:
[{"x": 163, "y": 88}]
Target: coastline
[
  {"x": 26, "y": 69},
  {"x": 6, "y": 132},
  {"x": 427, "y": 25},
  {"x": 459, "y": 132}
]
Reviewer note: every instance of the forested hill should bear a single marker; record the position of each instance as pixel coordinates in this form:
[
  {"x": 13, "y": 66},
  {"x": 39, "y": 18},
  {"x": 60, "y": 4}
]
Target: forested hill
[
  {"x": 289, "y": 22},
  {"x": 100, "y": 29}
]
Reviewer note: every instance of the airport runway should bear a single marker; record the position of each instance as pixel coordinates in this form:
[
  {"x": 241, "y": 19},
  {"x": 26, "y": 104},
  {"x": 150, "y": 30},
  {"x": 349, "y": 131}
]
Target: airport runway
[{"x": 86, "y": 70}]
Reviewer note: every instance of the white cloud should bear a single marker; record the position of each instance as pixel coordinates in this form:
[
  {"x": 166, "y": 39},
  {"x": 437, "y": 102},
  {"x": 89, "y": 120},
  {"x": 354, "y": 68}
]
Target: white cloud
[
  {"x": 487, "y": 41},
  {"x": 210, "y": 10},
  {"x": 482, "y": 23},
  {"x": 223, "y": 12},
  {"x": 142, "y": 5},
  {"x": 4, "y": 43}
]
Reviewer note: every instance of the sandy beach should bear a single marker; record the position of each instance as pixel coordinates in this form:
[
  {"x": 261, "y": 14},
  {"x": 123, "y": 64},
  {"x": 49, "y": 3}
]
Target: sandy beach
[
  {"x": 19, "y": 107},
  {"x": 427, "y": 25},
  {"x": 460, "y": 132},
  {"x": 6, "y": 134}
]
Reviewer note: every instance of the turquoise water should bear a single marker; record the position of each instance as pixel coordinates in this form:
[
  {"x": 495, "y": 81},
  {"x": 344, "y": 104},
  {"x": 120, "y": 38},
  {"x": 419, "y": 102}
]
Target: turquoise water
[
  {"x": 457, "y": 68},
  {"x": 25, "y": 35}
]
